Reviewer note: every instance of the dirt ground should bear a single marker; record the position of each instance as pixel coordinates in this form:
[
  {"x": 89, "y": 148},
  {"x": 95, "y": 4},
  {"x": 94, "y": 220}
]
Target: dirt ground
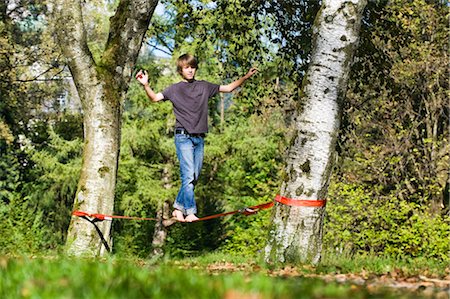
[{"x": 431, "y": 287}]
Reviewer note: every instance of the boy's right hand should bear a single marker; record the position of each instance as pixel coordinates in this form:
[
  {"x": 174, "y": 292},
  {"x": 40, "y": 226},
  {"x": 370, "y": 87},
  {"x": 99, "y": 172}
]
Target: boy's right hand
[
  {"x": 142, "y": 77},
  {"x": 251, "y": 72}
]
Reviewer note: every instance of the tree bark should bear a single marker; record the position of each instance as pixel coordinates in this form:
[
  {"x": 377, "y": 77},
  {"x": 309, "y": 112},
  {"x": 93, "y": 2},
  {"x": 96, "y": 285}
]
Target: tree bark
[
  {"x": 163, "y": 219},
  {"x": 160, "y": 232},
  {"x": 296, "y": 232},
  {"x": 101, "y": 86}
]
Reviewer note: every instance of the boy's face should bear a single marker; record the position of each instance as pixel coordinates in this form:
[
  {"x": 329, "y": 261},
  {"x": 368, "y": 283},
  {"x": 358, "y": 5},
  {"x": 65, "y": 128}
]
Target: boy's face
[{"x": 188, "y": 72}]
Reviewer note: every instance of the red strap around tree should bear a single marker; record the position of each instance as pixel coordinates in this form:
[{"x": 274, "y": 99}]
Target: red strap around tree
[{"x": 300, "y": 202}]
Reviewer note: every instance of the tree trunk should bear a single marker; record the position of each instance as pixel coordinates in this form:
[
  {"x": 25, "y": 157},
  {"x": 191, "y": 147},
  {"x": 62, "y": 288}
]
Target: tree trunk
[
  {"x": 296, "y": 232},
  {"x": 160, "y": 232},
  {"x": 163, "y": 219},
  {"x": 101, "y": 86}
]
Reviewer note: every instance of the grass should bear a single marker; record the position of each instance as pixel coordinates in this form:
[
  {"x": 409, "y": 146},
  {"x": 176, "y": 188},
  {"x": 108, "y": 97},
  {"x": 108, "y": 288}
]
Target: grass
[{"x": 208, "y": 276}]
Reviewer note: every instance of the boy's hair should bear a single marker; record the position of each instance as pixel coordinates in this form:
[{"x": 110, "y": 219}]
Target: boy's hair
[{"x": 186, "y": 60}]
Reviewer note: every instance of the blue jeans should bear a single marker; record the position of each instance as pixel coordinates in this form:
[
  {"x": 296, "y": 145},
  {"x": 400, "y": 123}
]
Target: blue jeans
[{"x": 190, "y": 152}]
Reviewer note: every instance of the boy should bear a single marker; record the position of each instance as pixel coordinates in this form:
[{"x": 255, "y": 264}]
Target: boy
[{"x": 190, "y": 106}]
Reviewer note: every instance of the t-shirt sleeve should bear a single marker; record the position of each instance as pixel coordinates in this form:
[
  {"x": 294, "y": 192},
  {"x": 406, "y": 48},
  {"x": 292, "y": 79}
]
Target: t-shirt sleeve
[
  {"x": 213, "y": 89},
  {"x": 167, "y": 93}
]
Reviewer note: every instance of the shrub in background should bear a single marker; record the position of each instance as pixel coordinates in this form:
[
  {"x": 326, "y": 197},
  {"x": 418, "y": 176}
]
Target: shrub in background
[{"x": 360, "y": 221}]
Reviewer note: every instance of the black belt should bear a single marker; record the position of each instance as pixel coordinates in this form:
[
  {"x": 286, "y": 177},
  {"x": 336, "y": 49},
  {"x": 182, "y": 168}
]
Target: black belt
[{"x": 184, "y": 132}]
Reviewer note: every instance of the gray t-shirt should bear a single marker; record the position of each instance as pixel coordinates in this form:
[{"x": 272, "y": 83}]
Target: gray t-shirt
[{"x": 190, "y": 104}]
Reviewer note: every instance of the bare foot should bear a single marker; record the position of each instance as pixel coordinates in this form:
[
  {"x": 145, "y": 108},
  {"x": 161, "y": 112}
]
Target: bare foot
[
  {"x": 178, "y": 215},
  {"x": 191, "y": 217}
]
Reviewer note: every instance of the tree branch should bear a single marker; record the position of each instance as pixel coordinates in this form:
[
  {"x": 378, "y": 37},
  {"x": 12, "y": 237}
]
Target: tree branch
[
  {"x": 71, "y": 35},
  {"x": 127, "y": 29},
  {"x": 159, "y": 49},
  {"x": 36, "y": 78}
]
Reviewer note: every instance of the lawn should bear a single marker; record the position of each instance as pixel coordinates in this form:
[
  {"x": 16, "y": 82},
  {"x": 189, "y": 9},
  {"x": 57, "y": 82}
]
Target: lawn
[{"x": 217, "y": 276}]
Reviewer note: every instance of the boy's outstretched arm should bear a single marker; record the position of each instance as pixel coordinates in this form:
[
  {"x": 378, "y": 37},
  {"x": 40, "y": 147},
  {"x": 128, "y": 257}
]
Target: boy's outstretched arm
[
  {"x": 142, "y": 77},
  {"x": 233, "y": 85}
]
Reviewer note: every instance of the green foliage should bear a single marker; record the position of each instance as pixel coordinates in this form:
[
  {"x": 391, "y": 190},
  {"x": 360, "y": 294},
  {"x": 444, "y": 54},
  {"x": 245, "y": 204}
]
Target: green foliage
[
  {"x": 358, "y": 221},
  {"x": 247, "y": 236},
  {"x": 233, "y": 37},
  {"x": 396, "y": 122},
  {"x": 56, "y": 169},
  {"x": 28, "y": 93},
  {"x": 389, "y": 193},
  {"x": 10, "y": 177},
  {"x": 393, "y": 152},
  {"x": 23, "y": 227},
  {"x": 37, "y": 201},
  {"x": 217, "y": 33},
  {"x": 244, "y": 172},
  {"x": 29, "y": 64},
  {"x": 287, "y": 26},
  {"x": 69, "y": 126},
  {"x": 14, "y": 212}
]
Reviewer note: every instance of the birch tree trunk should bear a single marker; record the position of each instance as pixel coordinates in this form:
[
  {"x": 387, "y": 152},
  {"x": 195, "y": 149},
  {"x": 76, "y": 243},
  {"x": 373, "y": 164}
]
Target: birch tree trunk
[
  {"x": 101, "y": 85},
  {"x": 296, "y": 232}
]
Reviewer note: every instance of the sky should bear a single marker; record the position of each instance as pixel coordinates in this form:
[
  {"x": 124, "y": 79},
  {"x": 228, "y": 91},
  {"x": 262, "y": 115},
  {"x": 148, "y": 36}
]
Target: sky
[{"x": 159, "y": 11}]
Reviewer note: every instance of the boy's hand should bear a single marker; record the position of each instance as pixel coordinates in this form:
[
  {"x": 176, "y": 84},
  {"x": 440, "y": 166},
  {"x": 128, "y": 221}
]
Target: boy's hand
[
  {"x": 142, "y": 77},
  {"x": 251, "y": 72}
]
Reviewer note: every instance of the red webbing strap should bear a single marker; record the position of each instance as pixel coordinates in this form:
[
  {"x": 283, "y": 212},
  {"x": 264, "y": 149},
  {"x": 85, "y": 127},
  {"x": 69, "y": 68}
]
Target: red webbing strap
[
  {"x": 247, "y": 211},
  {"x": 102, "y": 217},
  {"x": 300, "y": 202}
]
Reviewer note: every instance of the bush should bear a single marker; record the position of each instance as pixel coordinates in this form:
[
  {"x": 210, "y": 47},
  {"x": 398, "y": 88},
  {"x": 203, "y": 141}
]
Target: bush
[
  {"x": 359, "y": 222},
  {"x": 22, "y": 228}
]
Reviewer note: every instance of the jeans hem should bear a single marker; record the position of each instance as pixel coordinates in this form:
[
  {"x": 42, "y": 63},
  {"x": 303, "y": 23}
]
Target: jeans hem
[{"x": 190, "y": 211}]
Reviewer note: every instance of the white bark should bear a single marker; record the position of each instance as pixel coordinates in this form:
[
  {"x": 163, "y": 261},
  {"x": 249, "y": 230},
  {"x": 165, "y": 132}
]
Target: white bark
[
  {"x": 101, "y": 87},
  {"x": 296, "y": 232}
]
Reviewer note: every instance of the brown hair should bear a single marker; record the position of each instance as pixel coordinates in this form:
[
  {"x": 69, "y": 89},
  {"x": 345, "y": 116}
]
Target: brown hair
[{"x": 186, "y": 60}]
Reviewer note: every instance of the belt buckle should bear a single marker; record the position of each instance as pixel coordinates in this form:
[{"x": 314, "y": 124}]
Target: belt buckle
[{"x": 181, "y": 131}]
